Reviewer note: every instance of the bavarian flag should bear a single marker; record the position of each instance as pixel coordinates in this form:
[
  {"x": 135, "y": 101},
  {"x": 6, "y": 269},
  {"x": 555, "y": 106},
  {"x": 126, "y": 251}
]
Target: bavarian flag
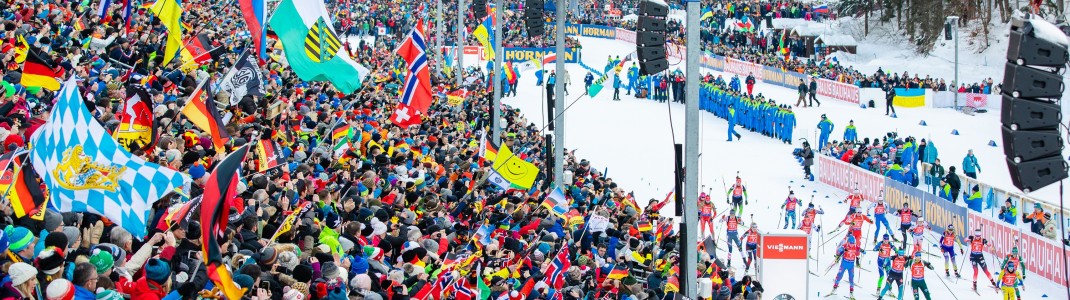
[
  {"x": 909, "y": 97},
  {"x": 312, "y": 47}
]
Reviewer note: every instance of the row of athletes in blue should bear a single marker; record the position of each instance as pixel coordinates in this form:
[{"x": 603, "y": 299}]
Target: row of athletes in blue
[{"x": 754, "y": 113}]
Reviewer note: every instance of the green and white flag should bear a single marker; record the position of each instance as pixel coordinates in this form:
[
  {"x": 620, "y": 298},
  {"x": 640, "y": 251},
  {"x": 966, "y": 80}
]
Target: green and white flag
[{"x": 312, "y": 47}]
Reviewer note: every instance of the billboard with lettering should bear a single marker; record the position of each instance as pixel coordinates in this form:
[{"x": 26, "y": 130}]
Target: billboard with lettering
[
  {"x": 938, "y": 212},
  {"x": 625, "y": 35},
  {"x": 518, "y": 55},
  {"x": 1041, "y": 255},
  {"x": 596, "y": 31},
  {"x": 837, "y": 90},
  {"x": 743, "y": 68},
  {"x": 846, "y": 177},
  {"x": 784, "y": 254}
]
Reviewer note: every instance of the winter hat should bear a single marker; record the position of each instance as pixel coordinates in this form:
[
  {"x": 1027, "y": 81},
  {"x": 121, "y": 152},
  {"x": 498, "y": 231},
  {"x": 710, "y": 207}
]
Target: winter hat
[
  {"x": 157, "y": 270},
  {"x": 52, "y": 221},
  {"x": 302, "y": 273},
  {"x": 60, "y": 289},
  {"x": 49, "y": 261},
  {"x": 108, "y": 295},
  {"x": 361, "y": 281},
  {"x": 196, "y": 171},
  {"x": 338, "y": 293},
  {"x": 329, "y": 270},
  {"x": 103, "y": 261},
  {"x": 21, "y": 272},
  {"x": 72, "y": 234},
  {"x": 288, "y": 260},
  {"x": 19, "y": 237},
  {"x": 244, "y": 281},
  {"x": 58, "y": 240},
  {"x": 268, "y": 256},
  {"x": 292, "y": 294}
]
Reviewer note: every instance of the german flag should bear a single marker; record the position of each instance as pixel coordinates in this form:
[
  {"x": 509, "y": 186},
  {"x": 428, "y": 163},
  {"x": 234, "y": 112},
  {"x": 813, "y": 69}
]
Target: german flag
[
  {"x": 644, "y": 226},
  {"x": 198, "y": 49},
  {"x": 179, "y": 215},
  {"x": 202, "y": 112},
  {"x": 21, "y": 184},
  {"x": 39, "y": 71},
  {"x": 268, "y": 155},
  {"x": 617, "y": 273},
  {"x": 222, "y": 185}
]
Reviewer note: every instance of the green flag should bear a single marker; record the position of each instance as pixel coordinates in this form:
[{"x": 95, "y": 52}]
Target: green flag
[
  {"x": 484, "y": 291},
  {"x": 312, "y": 47}
]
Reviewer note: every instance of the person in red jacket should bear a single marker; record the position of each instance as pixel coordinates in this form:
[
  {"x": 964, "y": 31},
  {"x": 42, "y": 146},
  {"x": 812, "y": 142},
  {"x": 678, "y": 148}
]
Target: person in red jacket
[{"x": 750, "y": 84}]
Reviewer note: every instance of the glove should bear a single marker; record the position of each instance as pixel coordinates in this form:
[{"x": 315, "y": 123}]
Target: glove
[{"x": 747, "y": 202}]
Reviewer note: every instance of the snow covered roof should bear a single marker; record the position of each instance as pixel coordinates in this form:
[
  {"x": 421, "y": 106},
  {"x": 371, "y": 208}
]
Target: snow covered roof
[
  {"x": 782, "y": 23},
  {"x": 810, "y": 29},
  {"x": 837, "y": 40}
]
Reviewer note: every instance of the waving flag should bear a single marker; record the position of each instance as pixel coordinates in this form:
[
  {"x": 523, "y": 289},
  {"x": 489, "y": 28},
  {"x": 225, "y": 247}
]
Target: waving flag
[
  {"x": 556, "y": 202},
  {"x": 244, "y": 78},
  {"x": 823, "y": 8},
  {"x": 269, "y": 155},
  {"x": 254, "y": 12},
  {"x": 416, "y": 95},
  {"x": 20, "y": 185},
  {"x": 179, "y": 215},
  {"x": 102, "y": 8},
  {"x": 510, "y": 72},
  {"x": 202, "y": 112},
  {"x": 198, "y": 49},
  {"x": 555, "y": 273},
  {"x": 137, "y": 124},
  {"x": 222, "y": 185},
  {"x": 312, "y": 47},
  {"x": 170, "y": 14},
  {"x": 485, "y": 35},
  {"x": 548, "y": 59},
  {"x": 39, "y": 71},
  {"x": 86, "y": 170},
  {"x": 511, "y": 172}
]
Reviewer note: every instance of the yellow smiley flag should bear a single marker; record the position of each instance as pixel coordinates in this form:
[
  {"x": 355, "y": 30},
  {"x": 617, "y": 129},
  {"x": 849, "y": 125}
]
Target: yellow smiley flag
[{"x": 511, "y": 172}]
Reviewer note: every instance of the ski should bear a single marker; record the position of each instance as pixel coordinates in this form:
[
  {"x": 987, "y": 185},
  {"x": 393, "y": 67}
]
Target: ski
[{"x": 830, "y": 295}]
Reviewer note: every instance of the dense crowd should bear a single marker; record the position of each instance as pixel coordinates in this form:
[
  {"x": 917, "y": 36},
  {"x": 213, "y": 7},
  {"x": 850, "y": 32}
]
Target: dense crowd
[{"x": 405, "y": 213}]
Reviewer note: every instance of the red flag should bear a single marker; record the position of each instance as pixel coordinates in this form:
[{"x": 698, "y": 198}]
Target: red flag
[
  {"x": 405, "y": 116},
  {"x": 222, "y": 185},
  {"x": 416, "y": 93}
]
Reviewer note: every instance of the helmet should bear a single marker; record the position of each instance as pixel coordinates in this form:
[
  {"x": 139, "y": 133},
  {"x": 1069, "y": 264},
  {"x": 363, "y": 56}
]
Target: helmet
[
  {"x": 886, "y": 236},
  {"x": 811, "y": 205},
  {"x": 900, "y": 252},
  {"x": 906, "y": 204},
  {"x": 917, "y": 254},
  {"x": 753, "y": 224},
  {"x": 921, "y": 219},
  {"x": 1011, "y": 267},
  {"x": 950, "y": 226},
  {"x": 850, "y": 239}
]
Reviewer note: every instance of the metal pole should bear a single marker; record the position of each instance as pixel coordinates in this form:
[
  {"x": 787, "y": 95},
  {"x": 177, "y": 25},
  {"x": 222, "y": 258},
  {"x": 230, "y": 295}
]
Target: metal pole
[
  {"x": 496, "y": 105},
  {"x": 559, "y": 94},
  {"x": 955, "y": 32},
  {"x": 458, "y": 46},
  {"x": 439, "y": 37},
  {"x": 691, "y": 139}
]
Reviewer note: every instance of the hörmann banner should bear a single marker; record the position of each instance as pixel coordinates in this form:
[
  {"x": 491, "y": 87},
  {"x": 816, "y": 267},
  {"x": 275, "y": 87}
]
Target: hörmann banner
[
  {"x": 518, "y": 55},
  {"x": 937, "y": 211}
]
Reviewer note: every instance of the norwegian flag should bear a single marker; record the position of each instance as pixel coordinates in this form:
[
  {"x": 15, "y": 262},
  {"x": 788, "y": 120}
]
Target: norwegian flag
[
  {"x": 556, "y": 271},
  {"x": 416, "y": 95},
  {"x": 462, "y": 290}
]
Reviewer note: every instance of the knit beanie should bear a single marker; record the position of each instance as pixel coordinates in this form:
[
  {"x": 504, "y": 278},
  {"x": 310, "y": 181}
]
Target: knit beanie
[
  {"x": 103, "y": 261},
  {"x": 108, "y": 295},
  {"x": 19, "y": 237},
  {"x": 49, "y": 261},
  {"x": 288, "y": 260},
  {"x": 157, "y": 270},
  {"x": 21, "y": 272},
  {"x": 244, "y": 281},
  {"x": 303, "y": 273},
  {"x": 60, "y": 289},
  {"x": 292, "y": 294}
]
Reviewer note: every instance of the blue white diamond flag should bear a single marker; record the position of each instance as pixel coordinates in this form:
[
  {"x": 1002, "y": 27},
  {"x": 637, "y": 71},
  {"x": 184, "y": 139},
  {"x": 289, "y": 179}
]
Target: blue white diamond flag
[{"x": 86, "y": 170}]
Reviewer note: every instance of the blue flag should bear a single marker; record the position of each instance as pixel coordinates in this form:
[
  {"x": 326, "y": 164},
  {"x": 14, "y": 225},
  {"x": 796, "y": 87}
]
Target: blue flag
[{"x": 86, "y": 170}]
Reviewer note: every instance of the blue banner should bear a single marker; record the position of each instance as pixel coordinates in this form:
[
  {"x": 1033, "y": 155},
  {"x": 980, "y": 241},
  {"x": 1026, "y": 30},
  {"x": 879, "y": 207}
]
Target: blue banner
[
  {"x": 937, "y": 212},
  {"x": 782, "y": 78},
  {"x": 520, "y": 55},
  {"x": 570, "y": 29},
  {"x": 605, "y": 32}
]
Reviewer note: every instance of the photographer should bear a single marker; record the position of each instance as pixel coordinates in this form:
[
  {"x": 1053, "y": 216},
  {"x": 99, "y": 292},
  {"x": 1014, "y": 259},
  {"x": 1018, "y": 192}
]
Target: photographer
[
  {"x": 1008, "y": 212},
  {"x": 1038, "y": 219}
]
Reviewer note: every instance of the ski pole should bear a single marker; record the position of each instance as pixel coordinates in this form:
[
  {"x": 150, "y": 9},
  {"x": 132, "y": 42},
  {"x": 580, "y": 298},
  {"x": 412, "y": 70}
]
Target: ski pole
[{"x": 947, "y": 287}]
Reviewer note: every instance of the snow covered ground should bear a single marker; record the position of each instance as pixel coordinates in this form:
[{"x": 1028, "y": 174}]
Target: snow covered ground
[{"x": 632, "y": 139}]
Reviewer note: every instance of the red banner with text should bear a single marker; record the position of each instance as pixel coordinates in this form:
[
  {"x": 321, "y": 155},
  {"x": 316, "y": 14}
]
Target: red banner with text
[
  {"x": 846, "y": 177},
  {"x": 1041, "y": 255}
]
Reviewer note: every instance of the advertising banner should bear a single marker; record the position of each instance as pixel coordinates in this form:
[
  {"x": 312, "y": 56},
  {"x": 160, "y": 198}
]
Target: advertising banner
[
  {"x": 743, "y": 68},
  {"x": 837, "y": 90},
  {"x": 846, "y": 177},
  {"x": 938, "y": 212},
  {"x": 626, "y": 35},
  {"x": 779, "y": 77},
  {"x": 519, "y": 55},
  {"x": 713, "y": 62},
  {"x": 1041, "y": 255},
  {"x": 783, "y": 254},
  {"x": 597, "y": 31},
  {"x": 570, "y": 29}
]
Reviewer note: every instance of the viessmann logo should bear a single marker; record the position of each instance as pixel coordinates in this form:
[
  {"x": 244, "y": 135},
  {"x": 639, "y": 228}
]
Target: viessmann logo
[{"x": 780, "y": 247}]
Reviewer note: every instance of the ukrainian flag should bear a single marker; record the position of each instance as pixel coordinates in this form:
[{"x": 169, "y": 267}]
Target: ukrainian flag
[{"x": 909, "y": 97}]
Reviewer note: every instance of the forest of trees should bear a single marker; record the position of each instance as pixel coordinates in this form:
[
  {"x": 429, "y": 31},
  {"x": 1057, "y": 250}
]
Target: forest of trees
[{"x": 922, "y": 21}]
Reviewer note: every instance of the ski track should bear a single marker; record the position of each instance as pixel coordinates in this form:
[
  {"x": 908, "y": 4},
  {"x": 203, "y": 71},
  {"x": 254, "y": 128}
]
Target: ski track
[{"x": 631, "y": 139}]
